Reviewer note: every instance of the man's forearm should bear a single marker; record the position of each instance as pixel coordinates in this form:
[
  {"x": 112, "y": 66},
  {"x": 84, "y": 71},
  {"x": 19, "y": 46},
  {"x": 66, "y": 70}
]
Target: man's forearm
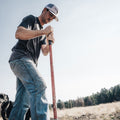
[{"x": 25, "y": 34}]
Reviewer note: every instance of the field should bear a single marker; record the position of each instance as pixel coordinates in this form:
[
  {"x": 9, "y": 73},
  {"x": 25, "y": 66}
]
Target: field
[{"x": 110, "y": 111}]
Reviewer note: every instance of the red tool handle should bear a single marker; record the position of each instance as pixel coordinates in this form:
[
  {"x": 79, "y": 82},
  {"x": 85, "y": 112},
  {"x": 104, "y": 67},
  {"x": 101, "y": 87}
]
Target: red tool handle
[{"x": 53, "y": 82}]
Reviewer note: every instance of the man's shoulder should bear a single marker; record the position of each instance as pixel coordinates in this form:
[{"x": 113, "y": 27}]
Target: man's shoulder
[{"x": 32, "y": 17}]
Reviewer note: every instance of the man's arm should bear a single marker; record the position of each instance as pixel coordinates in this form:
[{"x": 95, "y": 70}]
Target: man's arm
[
  {"x": 25, "y": 34},
  {"x": 45, "y": 48}
]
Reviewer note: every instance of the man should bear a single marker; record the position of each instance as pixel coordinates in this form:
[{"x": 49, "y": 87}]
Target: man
[{"x": 31, "y": 86}]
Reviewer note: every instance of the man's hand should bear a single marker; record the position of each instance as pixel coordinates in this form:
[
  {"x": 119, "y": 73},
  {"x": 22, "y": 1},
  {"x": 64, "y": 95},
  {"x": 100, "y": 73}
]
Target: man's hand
[
  {"x": 48, "y": 30},
  {"x": 50, "y": 37},
  {"x": 45, "y": 47}
]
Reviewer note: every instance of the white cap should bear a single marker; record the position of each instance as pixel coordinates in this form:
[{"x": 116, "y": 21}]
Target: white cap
[{"x": 53, "y": 9}]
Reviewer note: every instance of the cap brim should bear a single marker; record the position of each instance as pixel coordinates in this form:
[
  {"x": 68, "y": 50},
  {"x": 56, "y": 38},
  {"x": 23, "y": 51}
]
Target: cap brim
[{"x": 56, "y": 18}]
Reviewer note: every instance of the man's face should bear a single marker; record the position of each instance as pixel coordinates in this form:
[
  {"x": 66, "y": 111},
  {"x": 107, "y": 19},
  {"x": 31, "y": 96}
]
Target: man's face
[{"x": 47, "y": 16}]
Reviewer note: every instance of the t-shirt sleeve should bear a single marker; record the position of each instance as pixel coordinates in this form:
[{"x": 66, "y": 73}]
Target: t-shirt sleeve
[{"x": 28, "y": 22}]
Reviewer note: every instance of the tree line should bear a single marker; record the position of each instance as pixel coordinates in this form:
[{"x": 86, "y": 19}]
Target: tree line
[{"x": 104, "y": 96}]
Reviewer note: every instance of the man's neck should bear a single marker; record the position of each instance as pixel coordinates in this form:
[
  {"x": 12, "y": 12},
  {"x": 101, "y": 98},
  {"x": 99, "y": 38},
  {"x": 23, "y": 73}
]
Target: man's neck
[{"x": 40, "y": 20}]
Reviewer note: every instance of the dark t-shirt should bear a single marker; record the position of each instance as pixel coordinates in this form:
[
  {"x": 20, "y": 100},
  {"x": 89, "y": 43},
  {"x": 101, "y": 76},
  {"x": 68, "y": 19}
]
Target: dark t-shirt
[{"x": 29, "y": 48}]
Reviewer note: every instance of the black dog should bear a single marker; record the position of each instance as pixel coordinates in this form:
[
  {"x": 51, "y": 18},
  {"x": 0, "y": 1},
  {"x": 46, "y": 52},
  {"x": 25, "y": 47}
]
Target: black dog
[{"x": 6, "y": 107}]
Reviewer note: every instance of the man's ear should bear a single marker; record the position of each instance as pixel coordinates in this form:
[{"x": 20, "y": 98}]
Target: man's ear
[{"x": 44, "y": 10}]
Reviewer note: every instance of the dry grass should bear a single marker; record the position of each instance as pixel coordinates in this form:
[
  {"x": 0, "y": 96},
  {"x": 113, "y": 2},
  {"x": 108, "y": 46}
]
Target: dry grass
[{"x": 110, "y": 111}]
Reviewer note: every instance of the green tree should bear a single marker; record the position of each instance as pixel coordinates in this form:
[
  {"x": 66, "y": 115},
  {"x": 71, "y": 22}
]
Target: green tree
[
  {"x": 80, "y": 102},
  {"x": 116, "y": 93},
  {"x": 60, "y": 104},
  {"x": 104, "y": 96},
  {"x": 87, "y": 101}
]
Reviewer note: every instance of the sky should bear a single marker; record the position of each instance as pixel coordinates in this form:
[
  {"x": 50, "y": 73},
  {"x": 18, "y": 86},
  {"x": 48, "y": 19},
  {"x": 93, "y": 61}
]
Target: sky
[{"x": 86, "y": 52}]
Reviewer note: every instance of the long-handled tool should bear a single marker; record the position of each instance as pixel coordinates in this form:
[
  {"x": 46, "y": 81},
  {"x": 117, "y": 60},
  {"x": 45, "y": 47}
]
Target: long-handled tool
[{"x": 53, "y": 82}]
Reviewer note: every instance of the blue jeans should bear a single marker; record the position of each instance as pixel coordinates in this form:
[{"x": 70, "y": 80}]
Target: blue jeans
[{"x": 31, "y": 90}]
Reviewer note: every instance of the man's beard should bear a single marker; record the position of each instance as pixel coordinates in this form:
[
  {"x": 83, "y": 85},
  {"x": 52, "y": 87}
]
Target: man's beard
[{"x": 44, "y": 20}]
